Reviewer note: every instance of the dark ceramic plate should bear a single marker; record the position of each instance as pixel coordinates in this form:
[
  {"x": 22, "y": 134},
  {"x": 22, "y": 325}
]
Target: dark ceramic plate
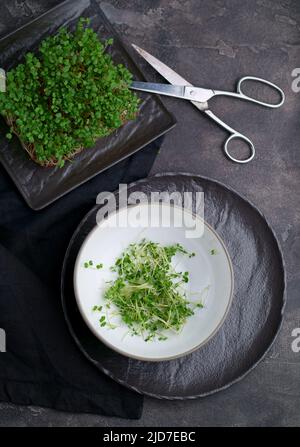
[
  {"x": 252, "y": 323},
  {"x": 40, "y": 186}
]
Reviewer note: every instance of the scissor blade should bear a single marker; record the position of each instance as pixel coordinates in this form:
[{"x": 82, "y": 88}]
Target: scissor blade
[
  {"x": 165, "y": 71},
  {"x": 161, "y": 89}
]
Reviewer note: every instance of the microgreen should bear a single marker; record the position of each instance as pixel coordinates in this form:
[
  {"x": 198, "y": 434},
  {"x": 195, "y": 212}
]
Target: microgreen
[
  {"x": 97, "y": 308},
  {"x": 66, "y": 96},
  {"x": 148, "y": 292},
  {"x": 90, "y": 265}
]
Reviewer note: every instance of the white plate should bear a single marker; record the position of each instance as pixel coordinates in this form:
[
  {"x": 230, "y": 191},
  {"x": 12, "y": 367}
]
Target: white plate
[{"x": 211, "y": 278}]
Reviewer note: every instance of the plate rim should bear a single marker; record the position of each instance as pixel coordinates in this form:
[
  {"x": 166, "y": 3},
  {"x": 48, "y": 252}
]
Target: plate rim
[{"x": 153, "y": 359}]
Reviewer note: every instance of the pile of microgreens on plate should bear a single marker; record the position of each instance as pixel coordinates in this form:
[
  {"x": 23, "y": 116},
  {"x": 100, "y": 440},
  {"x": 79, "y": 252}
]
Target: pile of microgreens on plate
[
  {"x": 68, "y": 95},
  {"x": 148, "y": 293}
]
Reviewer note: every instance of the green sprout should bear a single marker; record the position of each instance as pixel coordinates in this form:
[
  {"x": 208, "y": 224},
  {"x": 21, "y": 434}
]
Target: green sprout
[
  {"x": 66, "y": 96},
  {"x": 148, "y": 292}
]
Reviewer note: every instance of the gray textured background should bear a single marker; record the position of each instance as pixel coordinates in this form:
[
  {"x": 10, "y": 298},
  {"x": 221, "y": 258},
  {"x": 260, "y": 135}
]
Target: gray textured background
[{"x": 213, "y": 43}]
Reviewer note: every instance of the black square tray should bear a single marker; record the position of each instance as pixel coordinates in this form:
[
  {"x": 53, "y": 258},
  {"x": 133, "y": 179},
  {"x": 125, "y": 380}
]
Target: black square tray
[{"x": 40, "y": 185}]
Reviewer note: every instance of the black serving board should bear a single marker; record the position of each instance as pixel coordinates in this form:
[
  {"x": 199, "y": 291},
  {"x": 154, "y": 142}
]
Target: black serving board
[
  {"x": 251, "y": 325},
  {"x": 39, "y": 185}
]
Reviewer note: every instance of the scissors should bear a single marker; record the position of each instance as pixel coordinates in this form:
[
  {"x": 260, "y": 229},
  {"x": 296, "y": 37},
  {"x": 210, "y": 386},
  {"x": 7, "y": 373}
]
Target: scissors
[{"x": 199, "y": 97}]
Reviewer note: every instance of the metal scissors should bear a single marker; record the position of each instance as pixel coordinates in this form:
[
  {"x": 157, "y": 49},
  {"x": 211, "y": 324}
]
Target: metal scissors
[{"x": 199, "y": 97}]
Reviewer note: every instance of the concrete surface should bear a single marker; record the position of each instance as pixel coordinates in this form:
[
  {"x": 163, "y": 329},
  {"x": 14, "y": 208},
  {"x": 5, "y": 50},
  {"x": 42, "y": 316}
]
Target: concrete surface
[{"x": 213, "y": 43}]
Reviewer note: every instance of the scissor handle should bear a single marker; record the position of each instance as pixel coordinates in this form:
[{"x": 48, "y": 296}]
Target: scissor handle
[
  {"x": 233, "y": 135},
  {"x": 248, "y": 142},
  {"x": 262, "y": 81}
]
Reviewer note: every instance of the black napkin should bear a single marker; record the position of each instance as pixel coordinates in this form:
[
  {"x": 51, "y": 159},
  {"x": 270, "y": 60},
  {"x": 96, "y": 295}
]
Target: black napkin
[{"x": 42, "y": 365}]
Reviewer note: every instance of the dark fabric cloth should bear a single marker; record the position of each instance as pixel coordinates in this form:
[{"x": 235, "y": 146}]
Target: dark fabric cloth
[{"x": 42, "y": 364}]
